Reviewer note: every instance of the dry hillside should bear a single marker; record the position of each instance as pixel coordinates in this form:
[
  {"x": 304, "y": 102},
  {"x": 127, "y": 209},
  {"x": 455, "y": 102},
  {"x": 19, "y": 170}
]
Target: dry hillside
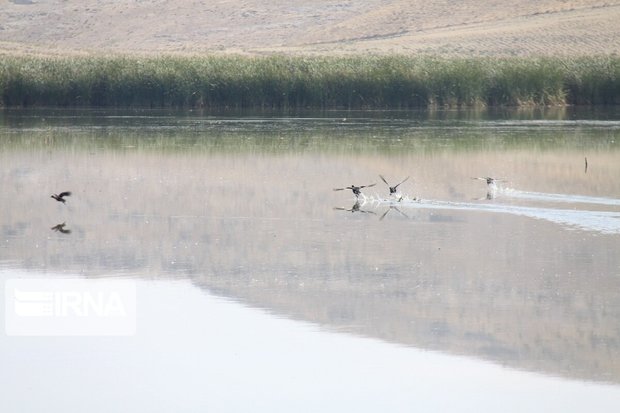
[{"x": 468, "y": 27}]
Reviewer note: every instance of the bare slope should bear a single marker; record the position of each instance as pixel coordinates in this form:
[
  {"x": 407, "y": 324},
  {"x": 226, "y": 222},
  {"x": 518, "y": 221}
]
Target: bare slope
[{"x": 468, "y": 27}]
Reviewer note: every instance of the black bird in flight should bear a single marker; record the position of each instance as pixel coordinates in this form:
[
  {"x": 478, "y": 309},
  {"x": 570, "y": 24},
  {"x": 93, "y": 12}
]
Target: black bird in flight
[
  {"x": 61, "y": 228},
  {"x": 355, "y": 189},
  {"x": 392, "y": 188},
  {"x": 61, "y": 196}
]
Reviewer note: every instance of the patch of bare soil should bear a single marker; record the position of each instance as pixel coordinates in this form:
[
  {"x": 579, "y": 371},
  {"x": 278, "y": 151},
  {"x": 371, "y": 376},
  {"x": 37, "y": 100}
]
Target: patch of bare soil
[{"x": 465, "y": 28}]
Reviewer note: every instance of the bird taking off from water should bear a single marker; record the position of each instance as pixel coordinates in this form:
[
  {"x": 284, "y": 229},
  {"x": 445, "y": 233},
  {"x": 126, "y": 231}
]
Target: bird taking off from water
[
  {"x": 61, "y": 196},
  {"x": 393, "y": 188},
  {"x": 491, "y": 186},
  {"x": 355, "y": 189}
]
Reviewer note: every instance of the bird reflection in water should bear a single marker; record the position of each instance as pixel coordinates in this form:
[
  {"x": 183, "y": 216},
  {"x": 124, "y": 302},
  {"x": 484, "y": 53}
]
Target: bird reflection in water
[
  {"x": 61, "y": 228},
  {"x": 391, "y": 208},
  {"x": 355, "y": 208}
]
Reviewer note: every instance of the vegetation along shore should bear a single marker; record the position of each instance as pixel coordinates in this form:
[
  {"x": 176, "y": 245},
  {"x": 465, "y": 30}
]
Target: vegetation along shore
[{"x": 295, "y": 82}]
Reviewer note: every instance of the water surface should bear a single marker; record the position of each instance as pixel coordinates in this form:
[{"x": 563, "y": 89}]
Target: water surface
[{"x": 517, "y": 283}]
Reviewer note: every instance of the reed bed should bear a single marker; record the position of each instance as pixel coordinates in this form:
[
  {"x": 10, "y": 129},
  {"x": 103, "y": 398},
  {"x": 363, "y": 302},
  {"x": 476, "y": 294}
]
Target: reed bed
[{"x": 293, "y": 83}]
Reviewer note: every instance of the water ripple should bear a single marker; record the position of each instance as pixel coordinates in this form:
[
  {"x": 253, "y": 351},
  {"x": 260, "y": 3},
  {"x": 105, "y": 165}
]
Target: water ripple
[
  {"x": 606, "y": 222},
  {"x": 541, "y": 196}
]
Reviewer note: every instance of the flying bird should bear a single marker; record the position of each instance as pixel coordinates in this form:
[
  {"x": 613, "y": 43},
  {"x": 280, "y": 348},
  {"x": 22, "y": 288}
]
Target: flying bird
[
  {"x": 491, "y": 186},
  {"x": 61, "y": 196},
  {"x": 489, "y": 180},
  {"x": 392, "y": 188},
  {"x": 355, "y": 189}
]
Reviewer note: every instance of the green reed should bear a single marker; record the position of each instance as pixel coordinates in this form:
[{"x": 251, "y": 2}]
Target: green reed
[{"x": 281, "y": 82}]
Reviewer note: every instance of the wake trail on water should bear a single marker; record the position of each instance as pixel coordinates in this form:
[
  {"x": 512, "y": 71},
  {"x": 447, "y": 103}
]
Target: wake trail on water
[
  {"x": 606, "y": 222},
  {"x": 542, "y": 196}
]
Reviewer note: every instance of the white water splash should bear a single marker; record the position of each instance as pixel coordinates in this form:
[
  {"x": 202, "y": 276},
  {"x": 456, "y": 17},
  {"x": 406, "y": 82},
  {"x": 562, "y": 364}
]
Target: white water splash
[
  {"x": 541, "y": 196},
  {"x": 606, "y": 222}
]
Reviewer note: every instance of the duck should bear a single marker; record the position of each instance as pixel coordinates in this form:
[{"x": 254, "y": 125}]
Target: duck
[
  {"x": 61, "y": 196},
  {"x": 491, "y": 186},
  {"x": 489, "y": 180},
  {"x": 392, "y": 188},
  {"x": 355, "y": 189}
]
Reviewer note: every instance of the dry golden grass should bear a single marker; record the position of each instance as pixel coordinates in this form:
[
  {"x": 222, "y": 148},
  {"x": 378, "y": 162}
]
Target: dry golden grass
[{"x": 470, "y": 27}]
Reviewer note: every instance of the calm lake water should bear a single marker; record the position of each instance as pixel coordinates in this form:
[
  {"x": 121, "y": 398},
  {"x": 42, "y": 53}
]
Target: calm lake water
[{"x": 260, "y": 288}]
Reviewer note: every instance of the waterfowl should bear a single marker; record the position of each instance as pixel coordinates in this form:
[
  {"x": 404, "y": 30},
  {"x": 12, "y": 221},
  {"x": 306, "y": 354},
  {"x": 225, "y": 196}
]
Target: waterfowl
[
  {"x": 489, "y": 180},
  {"x": 392, "y": 188},
  {"x": 491, "y": 186},
  {"x": 61, "y": 196},
  {"x": 355, "y": 189}
]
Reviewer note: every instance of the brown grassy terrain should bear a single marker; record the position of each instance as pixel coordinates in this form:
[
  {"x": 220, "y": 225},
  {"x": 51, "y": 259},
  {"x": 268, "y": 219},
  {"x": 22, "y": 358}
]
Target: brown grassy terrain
[{"x": 468, "y": 27}]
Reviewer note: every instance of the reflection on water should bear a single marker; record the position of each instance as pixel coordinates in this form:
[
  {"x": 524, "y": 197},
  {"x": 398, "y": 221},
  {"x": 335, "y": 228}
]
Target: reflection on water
[
  {"x": 61, "y": 228},
  {"x": 244, "y": 207},
  {"x": 195, "y": 351},
  {"x": 607, "y": 222},
  {"x": 537, "y": 196}
]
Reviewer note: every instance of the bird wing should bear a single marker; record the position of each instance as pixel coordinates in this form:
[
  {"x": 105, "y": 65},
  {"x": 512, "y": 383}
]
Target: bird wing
[
  {"x": 401, "y": 182},
  {"x": 63, "y": 194},
  {"x": 368, "y": 186},
  {"x": 339, "y": 189},
  {"x": 383, "y": 179}
]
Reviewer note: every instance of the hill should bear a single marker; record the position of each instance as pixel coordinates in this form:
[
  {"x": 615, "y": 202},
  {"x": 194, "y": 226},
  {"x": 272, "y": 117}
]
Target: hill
[{"x": 469, "y": 27}]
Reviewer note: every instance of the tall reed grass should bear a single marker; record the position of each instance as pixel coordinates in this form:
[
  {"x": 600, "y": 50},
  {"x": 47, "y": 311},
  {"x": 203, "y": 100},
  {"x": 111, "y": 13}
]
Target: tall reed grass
[{"x": 281, "y": 82}]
